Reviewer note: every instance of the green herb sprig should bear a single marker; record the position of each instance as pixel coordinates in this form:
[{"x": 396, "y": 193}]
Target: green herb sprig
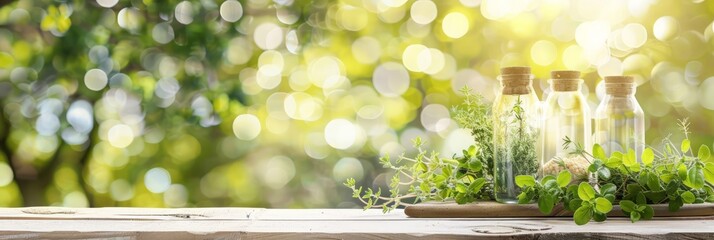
[{"x": 428, "y": 177}]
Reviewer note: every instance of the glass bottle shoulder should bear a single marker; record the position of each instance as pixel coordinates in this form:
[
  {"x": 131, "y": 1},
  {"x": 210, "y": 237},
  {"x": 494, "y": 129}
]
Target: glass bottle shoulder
[
  {"x": 566, "y": 101},
  {"x": 618, "y": 105}
]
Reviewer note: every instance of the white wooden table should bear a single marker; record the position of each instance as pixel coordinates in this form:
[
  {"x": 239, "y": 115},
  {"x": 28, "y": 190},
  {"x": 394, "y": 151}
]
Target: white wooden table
[{"x": 257, "y": 223}]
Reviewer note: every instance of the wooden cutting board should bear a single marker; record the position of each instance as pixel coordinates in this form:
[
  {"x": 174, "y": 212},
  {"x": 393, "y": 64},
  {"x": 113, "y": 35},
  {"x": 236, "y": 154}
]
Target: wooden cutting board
[{"x": 492, "y": 209}]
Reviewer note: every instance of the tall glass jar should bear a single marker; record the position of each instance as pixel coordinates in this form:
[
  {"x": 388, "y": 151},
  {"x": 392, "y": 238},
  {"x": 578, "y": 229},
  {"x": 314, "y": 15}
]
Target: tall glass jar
[
  {"x": 566, "y": 114},
  {"x": 515, "y": 132},
  {"x": 619, "y": 119}
]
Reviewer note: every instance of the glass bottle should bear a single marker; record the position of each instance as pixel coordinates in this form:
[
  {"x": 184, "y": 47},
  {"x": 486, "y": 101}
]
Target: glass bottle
[
  {"x": 619, "y": 119},
  {"x": 566, "y": 114},
  {"x": 515, "y": 132}
]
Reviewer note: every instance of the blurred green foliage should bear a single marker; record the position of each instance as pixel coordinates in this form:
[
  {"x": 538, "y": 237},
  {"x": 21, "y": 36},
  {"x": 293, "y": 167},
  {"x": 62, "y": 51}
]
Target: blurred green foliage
[{"x": 275, "y": 103}]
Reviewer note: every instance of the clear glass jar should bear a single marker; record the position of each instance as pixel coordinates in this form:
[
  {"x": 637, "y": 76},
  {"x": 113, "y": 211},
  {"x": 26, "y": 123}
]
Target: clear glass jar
[
  {"x": 619, "y": 119},
  {"x": 515, "y": 132},
  {"x": 566, "y": 114}
]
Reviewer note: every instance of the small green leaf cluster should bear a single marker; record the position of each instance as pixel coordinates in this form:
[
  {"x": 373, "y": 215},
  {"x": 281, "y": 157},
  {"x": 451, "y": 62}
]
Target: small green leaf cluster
[
  {"x": 549, "y": 190},
  {"x": 427, "y": 177},
  {"x": 636, "y": 211},
  {"x": 592, "y": 205},
  {"x": 671, "y": 175},
  {"x": 583, "y": 199}
]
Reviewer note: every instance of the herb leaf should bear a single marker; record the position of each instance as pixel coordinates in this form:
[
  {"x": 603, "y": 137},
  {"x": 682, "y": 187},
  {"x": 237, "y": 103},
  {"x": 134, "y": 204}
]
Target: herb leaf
[
  {"x": 586, "y": 192},
  {"x": 525, "y": 181},
  {"x": 647, "y": 156},
  {"x": 603, "y": 205},
  {"x": 583, "y": 215},
  {"x": 685, "y": 145},
  {"x": 703, "y": 153},
  {"x": 627, "y": 206},
  {"x": 564, "y": 178}
]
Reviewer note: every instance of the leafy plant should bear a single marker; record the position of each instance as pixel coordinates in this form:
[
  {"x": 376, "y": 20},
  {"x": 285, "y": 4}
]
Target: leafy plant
[
  {"x": 427, "y": 177},
  {"x": 672, "y": 176}
]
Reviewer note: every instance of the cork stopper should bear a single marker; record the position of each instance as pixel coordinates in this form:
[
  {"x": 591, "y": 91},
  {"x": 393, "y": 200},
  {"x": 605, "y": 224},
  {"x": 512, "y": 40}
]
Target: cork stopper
[
  {"x": 516, "y": 80},
  {"x": 565, "y": 81},
  {"x": 565, "y": 74},
  {"x": 619, "y": 85},
  {"x": 515, "y": 70}
]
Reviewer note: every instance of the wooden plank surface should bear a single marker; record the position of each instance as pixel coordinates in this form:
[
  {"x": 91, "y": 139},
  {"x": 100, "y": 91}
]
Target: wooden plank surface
[
  {"x": 257, "y": 223},
  {"x": 496, "y": 210}
]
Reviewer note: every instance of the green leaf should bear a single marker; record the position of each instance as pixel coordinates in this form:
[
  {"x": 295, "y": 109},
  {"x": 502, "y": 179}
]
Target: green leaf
[
  {"x": 653, "y": 182},
  {"x": 525, "y": 181},
  {"x": 655, "y": 196},
  {"x": 640, "y": 198},
  {"x": 564, "y": 178},
  {"x": 634, "y": 188},
  {"x": 438, "y": 179},
  {"x": 477, "y": 184},
  {"x": 634, "y": 216},
  {"x": 703, "y": 153},
  {"x": 598, "y": 152},
  {"x": 525, "y": 197},
  {"x": 688, "y": 197},
  {"x": 608, "y": 189},
  {"x": 648, "y": 213},
  {"x": 546, "y": 179},
  {"x": 635, "y": 167},
  {"x": 627, "y": 205},
  {"x": 614, "y": 162},
  {"x": 599, "y": 217},
  {"x": 603, "y": 205},
  {"x": 475, "y": 165},
  {"x": 610, "y": 197},
  {"x": 675, "y": 204},
  {"x": 682, "y": 171},
  {"x": 462, "y": 198},
  {"x": 666, "y": 177},
  {"x": 585, "y": 191},
  {"x": 709, "y": 172},
  {"x": 546, "y": 203},
  {"x": 685, "y": 145},
  {"x": 574, "y": 204},
  {"x": 604, "y": 173},
  {"x": 461, "y": 188},
  {"x": 551, "y": 185},
  {"x": 472, "y": 150},
  {"x": 422, "y": 167},
  {"x": 647, "y": 156},
  {"x": 583, "y": 215},
  {"x": 630, "y": 159},
  {"x": 424, "y": 187},
  {"x": 672, "y": 187},
  {"x": 695, "y": 177},
  {"x": 643, "y": 178}
]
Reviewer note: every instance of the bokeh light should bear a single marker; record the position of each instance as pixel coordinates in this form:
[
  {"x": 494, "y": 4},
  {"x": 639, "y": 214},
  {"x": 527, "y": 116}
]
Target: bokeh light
[
  {"x": 423, "y": 11},
  {"x": 455, "y": 25},
  {"x": 246, "y": 126}
]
